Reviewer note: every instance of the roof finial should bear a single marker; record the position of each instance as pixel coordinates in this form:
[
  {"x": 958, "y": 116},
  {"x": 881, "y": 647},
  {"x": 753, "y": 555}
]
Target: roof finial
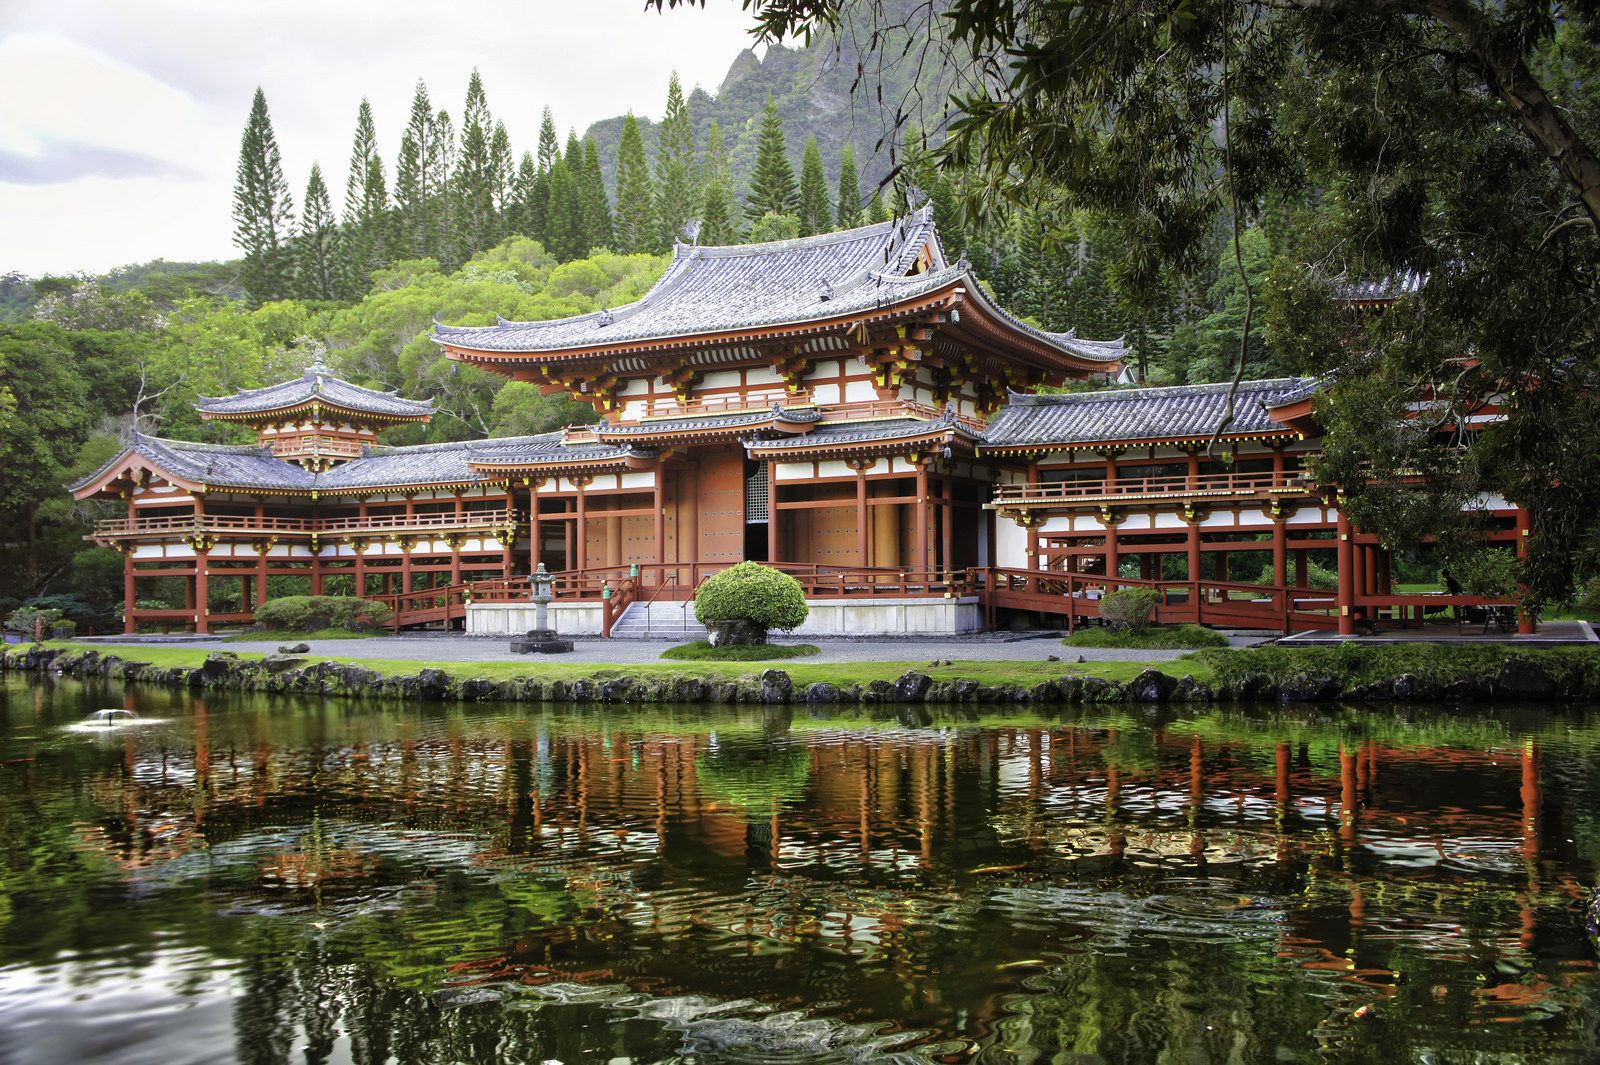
[
  {"x": 691, "y": 232},
  {"x": 915, "y": 197},
  {"x": 606, "y": 317},
  {"x": 827, "y": 290}
]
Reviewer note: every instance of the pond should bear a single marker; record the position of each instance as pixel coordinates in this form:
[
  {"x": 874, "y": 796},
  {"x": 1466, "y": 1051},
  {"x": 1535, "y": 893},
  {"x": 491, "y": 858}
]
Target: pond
[{"x": 270, "y": 880}]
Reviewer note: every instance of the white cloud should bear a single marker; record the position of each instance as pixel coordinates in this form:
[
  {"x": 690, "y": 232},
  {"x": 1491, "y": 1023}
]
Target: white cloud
[{"x": 119, "y": 122}]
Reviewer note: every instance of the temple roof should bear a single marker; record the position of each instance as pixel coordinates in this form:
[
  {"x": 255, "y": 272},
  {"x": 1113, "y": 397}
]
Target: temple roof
[
  {"x": 1174, "y": 413},
  {"x": 251, "y": 468},
  {"x": 862, "y": 434},
  {"x": 316, "y": 385},
  {"x": 711, "y": 290},
  {"x": 710, "y": 422},
  {"x": 1382, "y": 290}
]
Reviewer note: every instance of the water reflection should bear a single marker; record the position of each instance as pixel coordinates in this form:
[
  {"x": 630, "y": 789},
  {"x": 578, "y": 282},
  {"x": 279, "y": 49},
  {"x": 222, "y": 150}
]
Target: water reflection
[{"x": 273, "y": 880}]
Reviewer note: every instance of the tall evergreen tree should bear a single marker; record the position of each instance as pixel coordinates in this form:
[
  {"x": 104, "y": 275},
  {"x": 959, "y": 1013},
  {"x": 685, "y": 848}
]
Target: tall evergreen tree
[
  {"x": 416, "y": 188},
  {"x": 521, "y": 216},
  {"x": 719, "y": 217},
  {"x": 592, "y": 193},
  {"x": 503, "y": 171},
  {"x": 549, "y": 145},
  {"x": 633, "y": 223},
  {"x": 263, "y": 210},
  {"x": 362, "y": 152},
  {"x": 475, "y": 222},
  {"x": 772, "y": 187},
  {"x": 848, "y": 213},
  {"x": 677, "y": 199},
  {"x": 319, "y": 249},
  {"x": 369, "y": 234},
  {"x": 566, "y": 240},
  {"x": 441, "y": 165},
  {"x": 816, "y": 215},
  {"x": 877, "y": 209}
]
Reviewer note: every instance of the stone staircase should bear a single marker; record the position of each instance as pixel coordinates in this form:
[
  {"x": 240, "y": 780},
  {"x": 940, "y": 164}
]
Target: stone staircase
[{"x": 658, "y": 621}]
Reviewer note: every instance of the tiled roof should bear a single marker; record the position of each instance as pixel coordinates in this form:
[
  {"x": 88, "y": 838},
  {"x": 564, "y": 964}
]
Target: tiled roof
[
  {"x": 225, "y": 466},
  {"x": 1388, "y": 288},
  {"x": 1178, "y": 412},
  {"x": 750, "y": 286},
  {"x": 709, "y": 423},
  {"x": 848, "y": 434},
  {"x": 316, "y": 384}
]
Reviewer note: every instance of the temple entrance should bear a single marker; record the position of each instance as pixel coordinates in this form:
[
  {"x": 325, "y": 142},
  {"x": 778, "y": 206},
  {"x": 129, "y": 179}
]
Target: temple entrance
[{"x": 757, "y": 512}]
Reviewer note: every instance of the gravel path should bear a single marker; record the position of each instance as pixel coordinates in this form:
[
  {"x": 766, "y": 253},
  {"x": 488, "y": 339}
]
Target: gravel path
[{"x": 624, "y": 652}]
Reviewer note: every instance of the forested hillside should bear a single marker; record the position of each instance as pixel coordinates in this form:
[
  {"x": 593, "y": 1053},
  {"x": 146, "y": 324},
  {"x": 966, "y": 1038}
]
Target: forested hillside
[{"x": 461, "y": 226}]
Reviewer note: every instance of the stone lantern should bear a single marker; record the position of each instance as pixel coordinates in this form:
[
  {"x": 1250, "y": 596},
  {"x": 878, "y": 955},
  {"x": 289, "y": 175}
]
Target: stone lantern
[{"x": 541, "y": 639}]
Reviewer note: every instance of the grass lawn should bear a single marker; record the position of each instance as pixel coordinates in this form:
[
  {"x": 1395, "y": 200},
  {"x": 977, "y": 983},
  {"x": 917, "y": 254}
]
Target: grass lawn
[
  {"x": 1156, "y": 637},
  {"x": 701, "y": 651},
  {"x": 1023, "y": 674}
]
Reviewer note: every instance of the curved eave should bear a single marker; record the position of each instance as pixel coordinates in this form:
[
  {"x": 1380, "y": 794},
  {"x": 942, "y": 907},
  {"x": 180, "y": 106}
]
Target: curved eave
[
  {"x": 1299, "y": 415},
  {"x": 609, "y": 464},
  {"x": 711, "y": 433},
  {"x": 892, "y": 446},
  {"x": 1026, "y": 450},
  {"x": 996, "y": 325},
  {"x": 315, "y": 406},
  {"x": 128, "y": 464},
  {"x": 779, "y": 331}
]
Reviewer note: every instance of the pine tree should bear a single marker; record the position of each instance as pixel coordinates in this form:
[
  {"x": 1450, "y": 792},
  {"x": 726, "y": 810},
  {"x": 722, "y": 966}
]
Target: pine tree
[
  {"x": 520, "y": 218},
  {"x": 567, "y": 240},
  {"x": 592, "y": 193},
  {"x": 474, "y": 183},
  {"x": 263, "y": 210},
  {"x": 368, "y": 233},
  {"x": 415, "y": 191},
  {"x": 362, "y": 152},
  {"x": 441, "y": 165},
  {"x": 772, "y": 187},
  {"x": 677, "y": 198},
  {"x": 549, "y": 146},
  {"x": 815, "y": 214},
  {"x": 319, "y": 249},
  {"x": 502, "y": 172},
  {"x": 633, "y": 223},
  {"x": 848, "y": 213},
  {"x": 719, "y": 217},
  {"x": 877, "y": 209}
]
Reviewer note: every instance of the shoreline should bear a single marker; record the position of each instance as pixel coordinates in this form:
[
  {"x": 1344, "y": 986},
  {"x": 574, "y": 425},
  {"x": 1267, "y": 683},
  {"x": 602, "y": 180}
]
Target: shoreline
[{"x": 1236, "y": 675}]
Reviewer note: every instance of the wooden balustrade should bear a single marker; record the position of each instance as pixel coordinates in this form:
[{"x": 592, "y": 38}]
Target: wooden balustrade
[
  {"x": 246, "y": 525},
  {"x": 1210, "y": 484},
  {"x": 733, "y": 403}
]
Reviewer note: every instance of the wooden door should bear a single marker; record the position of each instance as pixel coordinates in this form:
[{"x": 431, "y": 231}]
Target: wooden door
[{"x": 721, "y": 501}]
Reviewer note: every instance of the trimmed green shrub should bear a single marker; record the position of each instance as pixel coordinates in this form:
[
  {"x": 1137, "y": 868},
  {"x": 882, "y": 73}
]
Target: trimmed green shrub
[
  {"x": 751, "y": 592},
  {"x": 1130, "y": 609},
  {"x": 63, "y": 629},
  {"x": 309, "y": 613},
  {"x": 1154, "y": 638},
  {"x": 30, "y": 620}
]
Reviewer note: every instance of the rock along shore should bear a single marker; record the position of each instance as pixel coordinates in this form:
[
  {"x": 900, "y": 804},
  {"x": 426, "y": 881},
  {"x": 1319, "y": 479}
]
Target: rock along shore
[{"x": 1518, "y": 680}]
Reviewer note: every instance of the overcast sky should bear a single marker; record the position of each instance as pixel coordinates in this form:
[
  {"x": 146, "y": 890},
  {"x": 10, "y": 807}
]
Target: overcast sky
[{"x": 120, "y": 119}]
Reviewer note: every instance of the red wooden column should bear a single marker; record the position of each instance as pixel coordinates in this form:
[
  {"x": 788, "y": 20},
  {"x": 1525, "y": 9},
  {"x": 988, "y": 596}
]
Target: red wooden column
[
  {"x": 262, "y": 547},
  {"x": 130, "y": 598},
  {"x": 772, "y": 510},
  {"x": 581, "y": 533},
  {"x": 1280, "y": 563},
  {"x": 947, "y": 531},
  {"x": 660, "y": 503},
  {"x": 921, "y": 562},
  {"x": 1347, "y": 619},
  {"x": 863, "y": 527},
  {"x": 533, "y": 524},
  {"x": 202, "y": 588},
  {"x": 405, "y": 550},
  {"x": 1527, "y": 624},
  {"x": 1108, "y": 517}
]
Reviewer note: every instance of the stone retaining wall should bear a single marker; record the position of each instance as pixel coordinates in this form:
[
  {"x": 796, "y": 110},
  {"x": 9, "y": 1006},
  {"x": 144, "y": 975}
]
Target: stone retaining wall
[{"x": 1518, "y": 680}]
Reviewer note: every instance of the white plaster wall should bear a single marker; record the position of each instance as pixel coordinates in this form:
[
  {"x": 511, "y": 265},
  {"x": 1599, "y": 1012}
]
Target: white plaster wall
[
  {"x": 514, "y": 619},
  {"x": 638, "y": 479},
  {"x": 860, "y": 392},
  {"x": 1011, "y": 545},
  {"x": 883, "y": 617}
]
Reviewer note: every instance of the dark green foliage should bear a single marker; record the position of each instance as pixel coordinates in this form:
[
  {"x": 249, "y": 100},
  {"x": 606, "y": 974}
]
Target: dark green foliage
[
  {"x": 1130, "y": 610},
  {"x": 774, "y": 227},
  {"x": 772, "y": 186},
  {"x": 1153, "y": 638},
  {"x": 420, "y": 180},
  {"x": 319, "y": 261},
  {"x": 677, "y": 195},
  {"x": 751, "y": 592},
  {"x": 1353, "y": 663},
  {"x": 814, "y": 211},
  {"x": 848, "y": 211},
  {"x": 475, "y": 183},
  {"x": 311, "y": 613},
  {"x": 263, "y": 210},
  {"x": 564, "y": 230},
  {"x": 701, "y": 651},
  {"x": 633, "y": 224},
  {"x": 719, "y": 217},
  {"x": 592, "y": 194}
]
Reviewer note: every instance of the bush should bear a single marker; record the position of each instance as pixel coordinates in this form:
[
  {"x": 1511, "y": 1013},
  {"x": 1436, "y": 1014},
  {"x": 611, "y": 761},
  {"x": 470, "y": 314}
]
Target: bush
[
  {"x": 1589, "y": 596},
  {"x": 1130, "y": 609},
  {"x": 1488, "y": 571},
  {"x": 1155, "y": 638},
  {"x": 29, "y": 620},
  {"x": 63, "y": 629},
  {"x": 754, "y": 593},
  {"x": 700, "y": 651},
  {"x": 309, "y": 613}
]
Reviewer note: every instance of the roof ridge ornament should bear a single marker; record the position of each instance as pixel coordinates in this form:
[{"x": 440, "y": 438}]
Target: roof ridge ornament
[
  {"x": 827, "y": 290},
  {"x": 606, "y": 317},
  {"x": 691, "y": 232},
  {"x": 915, "y": 197}
]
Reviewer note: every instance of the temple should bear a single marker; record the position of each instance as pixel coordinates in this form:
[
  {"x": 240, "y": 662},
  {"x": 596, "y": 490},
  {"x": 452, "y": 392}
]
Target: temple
[{"x": 854, "y": 408}]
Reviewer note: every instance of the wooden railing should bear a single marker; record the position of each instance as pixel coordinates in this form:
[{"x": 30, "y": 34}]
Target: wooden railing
[
  {"x": 658, "y": 409},
  {"x": 1210, "y": 484},
  {"x": 317, "y": 447},
  {"x": 226, "y": 524},
  {"x": 897, "y": 408}
]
